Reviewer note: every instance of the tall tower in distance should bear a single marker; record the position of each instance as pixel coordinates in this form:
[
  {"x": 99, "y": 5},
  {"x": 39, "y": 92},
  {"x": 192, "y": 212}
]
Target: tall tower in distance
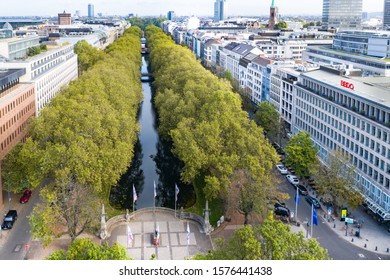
[
  {"x": 386, "y": 15},
  {"x": 219, "y": 10},
  {"x": 342, "y": 14},
  {"x": 171, "y": 15},
  {"x": 273, "y": 14},
  {"x": 91, "y": 12}
]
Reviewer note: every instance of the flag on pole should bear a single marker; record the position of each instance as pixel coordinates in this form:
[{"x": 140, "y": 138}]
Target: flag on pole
[
  {"x": 315, "y": 219},
  {"x": 296, "y": 198},
  {"x": 154, "y": 188},
  {"x": 188, "y": 233},
  {"x": 135, "y": 197},
  {"x": 130, "y": 237},
  {"x": 176, "y": 192}
]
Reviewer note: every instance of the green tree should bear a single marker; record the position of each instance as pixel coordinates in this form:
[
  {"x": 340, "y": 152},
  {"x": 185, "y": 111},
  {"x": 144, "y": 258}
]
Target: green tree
[
  {"x": 212, "y": 142},
  {"x": 278, "y": 243},
  {"x": 335, "y": 181},
  {"x": 86, "y": 249},
  {"x": 83, "y": 141},
  {"x": 281, "y": 25},
  {"x": 301, "y": 154},
  {"x": 272, "y": 240},
  {"x": 268, "y": 118},
  {"x": 87, "y": 55},
  {"x": 243, "y": 245}
]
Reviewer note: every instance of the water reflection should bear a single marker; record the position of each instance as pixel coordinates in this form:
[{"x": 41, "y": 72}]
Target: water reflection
[{"x": 153, "y": 162}]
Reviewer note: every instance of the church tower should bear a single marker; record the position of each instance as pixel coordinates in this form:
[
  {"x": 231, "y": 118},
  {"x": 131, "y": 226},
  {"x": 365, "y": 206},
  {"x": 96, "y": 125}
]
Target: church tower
[{"x": 272, "y": 15}]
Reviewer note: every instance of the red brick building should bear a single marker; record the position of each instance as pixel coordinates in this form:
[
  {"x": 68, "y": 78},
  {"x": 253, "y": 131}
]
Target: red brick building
[{"x": 17, "y": 106}]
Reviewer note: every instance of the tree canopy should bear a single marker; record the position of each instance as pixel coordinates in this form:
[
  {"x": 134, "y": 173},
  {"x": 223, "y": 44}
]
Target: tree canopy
[
  {"x": 203, "y": 118},
  {"x": 268, "y": 118},
  {"x": 335, "y": 181},
  {"x": 86, "y": 249},
  {"x": 84, "y": 139},
  {"x": 272, "y": 240},
  {"x": 301, "y": 154}
]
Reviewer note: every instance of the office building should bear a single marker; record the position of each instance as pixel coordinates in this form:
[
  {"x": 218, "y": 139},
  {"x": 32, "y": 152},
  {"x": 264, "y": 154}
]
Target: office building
[
  {"x": 17, "y": 106},
  {"x": 91, "y": 12},
  {"x": 366, "y": 50},
  {"x": 171, "y": 15},
  {"x": 17, "y": 48},
  {"x": 272, "y": 16},
  {"x": 64, "y": 18},
  {"x": 49, "y": 71},
  {"x": 342, "y": 14},
  {"x": 352, "y": 115},
  {"x": 219, "y": 10},
  {"x": 386, "y": 15}
]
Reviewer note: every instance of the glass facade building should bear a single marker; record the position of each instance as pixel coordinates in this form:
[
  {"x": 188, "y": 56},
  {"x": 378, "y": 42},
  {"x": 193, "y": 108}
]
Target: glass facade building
[
  {"x": 219, "y": 10},
  {"x": 386, "y": 15},
  {"x": 91, "y": 11},
  {"x": 342, "y": 14}
]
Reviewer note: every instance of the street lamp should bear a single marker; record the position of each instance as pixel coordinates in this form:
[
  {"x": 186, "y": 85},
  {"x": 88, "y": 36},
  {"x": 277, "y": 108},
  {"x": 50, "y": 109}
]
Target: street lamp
[{"x": 9, "y": 194}]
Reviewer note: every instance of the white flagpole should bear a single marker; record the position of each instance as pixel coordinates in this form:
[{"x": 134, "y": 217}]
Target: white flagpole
[
  {"x": 311, "y": 229},
  {"x": 133, "y": 198},
  {"x": 175, "y": 200},
  {"x": 296, "y": 205},
  {"x": 188, "y": 238},
  {"x": 154, "y": 197}
]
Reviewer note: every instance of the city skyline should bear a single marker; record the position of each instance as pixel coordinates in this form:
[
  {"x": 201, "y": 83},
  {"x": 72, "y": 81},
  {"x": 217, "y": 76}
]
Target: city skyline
[{"x": 160, "y": 7}]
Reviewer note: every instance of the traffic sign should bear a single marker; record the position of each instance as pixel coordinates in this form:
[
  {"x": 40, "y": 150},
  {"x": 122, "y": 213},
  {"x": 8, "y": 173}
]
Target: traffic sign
[{"x": 349, "y": 220}]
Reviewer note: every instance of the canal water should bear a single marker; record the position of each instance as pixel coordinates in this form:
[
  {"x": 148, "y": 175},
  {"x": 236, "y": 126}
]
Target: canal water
[{"x": 153, "y": 162}]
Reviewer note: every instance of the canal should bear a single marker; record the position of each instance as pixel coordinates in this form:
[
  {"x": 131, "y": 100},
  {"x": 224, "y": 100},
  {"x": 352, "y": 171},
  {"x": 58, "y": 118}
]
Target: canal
[{"x": 153, "y": 162}]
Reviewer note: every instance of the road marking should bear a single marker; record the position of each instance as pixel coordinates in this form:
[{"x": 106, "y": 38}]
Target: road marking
[
  {"x": 362, "y": 256},
  {"x": 17, "y": 248}
]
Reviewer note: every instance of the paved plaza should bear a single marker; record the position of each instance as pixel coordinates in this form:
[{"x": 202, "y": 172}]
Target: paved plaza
[{"x": 173, "y": 236}]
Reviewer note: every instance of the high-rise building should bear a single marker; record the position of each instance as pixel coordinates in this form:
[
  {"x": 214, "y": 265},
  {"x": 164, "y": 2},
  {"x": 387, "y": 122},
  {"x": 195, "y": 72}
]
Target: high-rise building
[
  {"x": 272, "y": 15},
  {"x": 171, "y": 15},
  {"x": 91, "y": 12},
  {"x": 64, "y": 18},
  {"x": 219, "y": 10},
  {"x": 386, "y": 15},
  {"x": 342, "y": 14}
]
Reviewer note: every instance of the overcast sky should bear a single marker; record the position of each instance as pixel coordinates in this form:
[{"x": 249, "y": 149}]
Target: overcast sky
[{"x": 161, "y": 7}]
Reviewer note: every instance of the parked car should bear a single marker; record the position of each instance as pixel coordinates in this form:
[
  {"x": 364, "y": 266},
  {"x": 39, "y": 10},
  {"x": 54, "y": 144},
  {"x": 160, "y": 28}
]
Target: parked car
[
  {"x": 9, "y": 219},
  {"x": 312, "y": 200},
  {"x": 293, "y": 179},
  {"x": 25, "y": 196},
  {"x": 279, "y": 204},
  {"x": 302, "y": 189},
  {"x": 282, "y": 169},
  {"x": 282, "y": 211}
]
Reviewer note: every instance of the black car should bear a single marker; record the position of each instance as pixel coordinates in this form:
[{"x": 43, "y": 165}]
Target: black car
[
  {"x": 279, "y": 204},
  {"x": 9, "y": 219},
  {"x": 312, "y": 200},
  {"x": 282, "y": 211},
  {"x": 302, "y": 190}
]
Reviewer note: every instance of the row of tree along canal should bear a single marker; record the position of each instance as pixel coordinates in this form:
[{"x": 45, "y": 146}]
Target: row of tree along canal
[{"x": 153, "y": 162}]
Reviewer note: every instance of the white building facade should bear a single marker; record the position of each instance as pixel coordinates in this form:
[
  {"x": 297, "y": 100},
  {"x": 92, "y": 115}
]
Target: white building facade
[
  {"x": 49, "y": 71},
  {"x": 350, "y": 115}
]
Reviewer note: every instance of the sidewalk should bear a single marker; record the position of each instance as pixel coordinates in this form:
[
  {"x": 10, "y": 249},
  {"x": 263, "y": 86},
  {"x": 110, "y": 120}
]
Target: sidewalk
[{"x": 373, "y": 236}]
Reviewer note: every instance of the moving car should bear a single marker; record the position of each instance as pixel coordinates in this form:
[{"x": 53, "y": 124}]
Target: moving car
[
  {"x": 293, "y": 179},
  {"x": 9, "y": 219},
  {"x": 282, "y": 169},
  {"x": 25, "y": 196},
  {"x": 302, "y": 190},
  {"x": 312, "y": 200}
]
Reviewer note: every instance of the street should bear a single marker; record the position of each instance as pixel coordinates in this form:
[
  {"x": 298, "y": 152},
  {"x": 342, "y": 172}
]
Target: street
[
  {"x": 338, "y": 248},
  {"x": 13, "y": 248}
]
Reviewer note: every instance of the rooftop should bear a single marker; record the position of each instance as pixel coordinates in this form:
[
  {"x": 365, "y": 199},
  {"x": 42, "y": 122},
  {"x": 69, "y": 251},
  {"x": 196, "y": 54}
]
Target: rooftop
[
  {"x": 9, "y": 75},
  {"x": 329, "y": 49},
  {"x": 364, "y": 87}
]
